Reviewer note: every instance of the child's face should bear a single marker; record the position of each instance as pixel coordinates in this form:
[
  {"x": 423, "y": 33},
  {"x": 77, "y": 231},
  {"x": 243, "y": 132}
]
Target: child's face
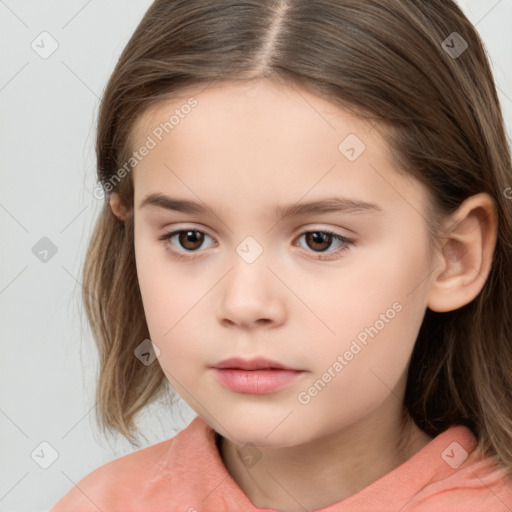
[{"x": 252, "y": 283}]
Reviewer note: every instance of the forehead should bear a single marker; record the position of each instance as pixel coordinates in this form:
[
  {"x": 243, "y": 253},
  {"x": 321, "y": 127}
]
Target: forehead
[
  {"x": 263, "y": 140},
  {"x": 261, "y": 105}
]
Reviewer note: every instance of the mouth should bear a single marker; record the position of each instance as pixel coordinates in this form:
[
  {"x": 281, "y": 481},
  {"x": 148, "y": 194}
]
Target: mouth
[
  {"x": 259, "y": 363},
  {"x": 255, "y": 376}
]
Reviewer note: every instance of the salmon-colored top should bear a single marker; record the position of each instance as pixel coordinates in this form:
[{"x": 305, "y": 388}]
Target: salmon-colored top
[{"x": 186, "y": 473}]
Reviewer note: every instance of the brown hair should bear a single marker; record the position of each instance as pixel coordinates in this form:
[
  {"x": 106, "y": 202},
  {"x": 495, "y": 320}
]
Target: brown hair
[{"x": 386, "y": 60}]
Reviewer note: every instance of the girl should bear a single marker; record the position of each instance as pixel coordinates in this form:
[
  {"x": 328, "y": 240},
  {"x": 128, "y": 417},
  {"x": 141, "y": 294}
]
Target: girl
[{"x": 307, "y": 234}]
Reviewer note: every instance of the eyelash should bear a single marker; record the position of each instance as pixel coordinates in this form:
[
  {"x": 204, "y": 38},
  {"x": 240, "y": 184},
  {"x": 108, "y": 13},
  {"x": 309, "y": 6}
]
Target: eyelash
[{"x": 347, "y": 242}]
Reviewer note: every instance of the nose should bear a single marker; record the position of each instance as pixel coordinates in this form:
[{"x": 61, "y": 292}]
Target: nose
[{"x": 251, "y": 296}]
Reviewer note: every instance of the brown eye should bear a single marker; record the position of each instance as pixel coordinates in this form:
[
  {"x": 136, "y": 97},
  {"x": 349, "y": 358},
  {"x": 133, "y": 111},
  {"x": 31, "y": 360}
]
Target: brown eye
[
  {"x": 183, "y": 241},
  {"x": 319, "y": 240},
  {"x": 191, "y": 239}
]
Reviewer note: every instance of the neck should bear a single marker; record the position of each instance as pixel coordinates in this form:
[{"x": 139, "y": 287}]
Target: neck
[{"x": 345, "y": 462}]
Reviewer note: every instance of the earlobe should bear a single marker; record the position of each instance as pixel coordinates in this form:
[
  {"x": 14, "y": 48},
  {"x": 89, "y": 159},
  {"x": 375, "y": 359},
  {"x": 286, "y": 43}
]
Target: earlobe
[
  {"x": 465, "y": 254},
  {"x": 117, "y": 208}
]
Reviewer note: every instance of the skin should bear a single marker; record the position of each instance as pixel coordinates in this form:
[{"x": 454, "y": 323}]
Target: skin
[{"x": 244, "y": 150}]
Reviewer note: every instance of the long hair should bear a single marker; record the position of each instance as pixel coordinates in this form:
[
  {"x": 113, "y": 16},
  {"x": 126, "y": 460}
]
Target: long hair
[{"x": 420, "y": 71}]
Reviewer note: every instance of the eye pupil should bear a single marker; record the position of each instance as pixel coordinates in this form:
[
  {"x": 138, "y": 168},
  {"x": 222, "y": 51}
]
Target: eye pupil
[{"x": 190, "y": 236}]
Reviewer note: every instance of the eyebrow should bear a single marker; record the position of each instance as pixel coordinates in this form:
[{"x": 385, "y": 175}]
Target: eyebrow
[{"x": 335, "y": 204}]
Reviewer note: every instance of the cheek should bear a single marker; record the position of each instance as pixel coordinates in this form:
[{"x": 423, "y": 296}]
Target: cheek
[
  {"x": 365, "y": 365},
  {"x": 164, "y": 295},
  {"x": 376, "y": 311},
  {"x": 175, "y": 298},
  {"x": 377, "y": 278}
]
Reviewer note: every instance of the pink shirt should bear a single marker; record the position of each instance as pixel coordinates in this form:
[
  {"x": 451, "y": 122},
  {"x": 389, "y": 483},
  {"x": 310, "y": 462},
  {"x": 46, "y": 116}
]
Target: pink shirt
[{"x": 186, "y": 473}]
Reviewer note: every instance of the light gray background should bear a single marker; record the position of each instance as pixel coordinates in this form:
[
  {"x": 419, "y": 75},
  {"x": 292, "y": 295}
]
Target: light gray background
[{"x": 48, "y": 109}]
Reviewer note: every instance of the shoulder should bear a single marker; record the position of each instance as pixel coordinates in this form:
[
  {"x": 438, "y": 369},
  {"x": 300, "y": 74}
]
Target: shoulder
[
  {"x": 116, "y": 480},
  {"x": 135, "y": 481},
  {"x": 481, "y": 484},
  {"x": 450, "y": 474}
]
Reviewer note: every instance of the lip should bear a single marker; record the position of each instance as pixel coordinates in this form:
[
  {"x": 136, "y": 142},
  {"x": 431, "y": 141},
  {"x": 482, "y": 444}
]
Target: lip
[
  {"x": 257, "y": 363},
  {"x": 257, "y": 376}
]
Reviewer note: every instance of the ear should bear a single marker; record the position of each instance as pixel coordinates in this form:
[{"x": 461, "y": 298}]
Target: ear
[
  {"x": 117, "y": 208},
  {"x": 465, "y": 255}
]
